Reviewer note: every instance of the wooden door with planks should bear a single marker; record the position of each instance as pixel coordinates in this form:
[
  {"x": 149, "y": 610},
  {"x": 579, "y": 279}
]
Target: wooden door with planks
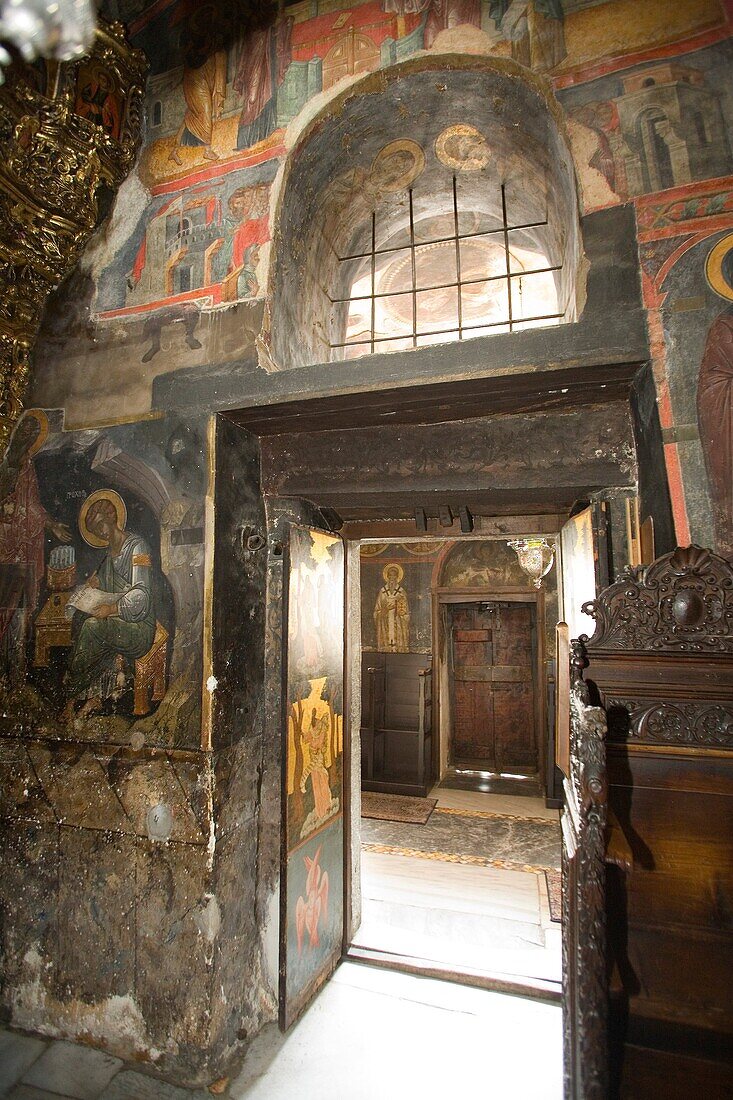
[{"x": 492, "y": 687}]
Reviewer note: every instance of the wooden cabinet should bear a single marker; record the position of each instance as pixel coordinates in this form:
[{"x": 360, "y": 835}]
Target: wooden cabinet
[{"x": 396, "y": 716}]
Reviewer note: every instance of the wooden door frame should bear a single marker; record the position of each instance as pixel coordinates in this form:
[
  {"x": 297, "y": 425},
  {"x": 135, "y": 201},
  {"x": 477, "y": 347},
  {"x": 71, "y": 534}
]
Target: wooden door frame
[{"x": 442, "y": 597}]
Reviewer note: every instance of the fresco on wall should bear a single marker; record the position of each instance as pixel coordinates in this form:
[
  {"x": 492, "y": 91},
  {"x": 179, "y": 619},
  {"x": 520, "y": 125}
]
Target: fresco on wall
[
  {"x": 180, "y": 282},
  {"x": 215, "y": 107},
  {"x": 198, "y": 248},
  {"x": 395, "y": 595},
  {"x": 471, "y": 563},
  {"x": 492, "y": 564},
  {"x": 715, "y": 396},
  {"x": 689, "y": 276},
  {"x": 314, "y": 761},
  {"x": 89, "y": 580},
  {"x": 392, "y": 612},
  {"x": 655, "y": 126},
  {"x": 678, "y": 232},
  {"x": 482, "y": 565}
]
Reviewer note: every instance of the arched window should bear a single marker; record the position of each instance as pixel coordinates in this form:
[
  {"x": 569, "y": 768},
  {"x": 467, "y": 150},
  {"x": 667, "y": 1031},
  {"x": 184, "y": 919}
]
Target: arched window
[
  {"x": 403, "y": 224},
  {"x": 451, "y": 273}
]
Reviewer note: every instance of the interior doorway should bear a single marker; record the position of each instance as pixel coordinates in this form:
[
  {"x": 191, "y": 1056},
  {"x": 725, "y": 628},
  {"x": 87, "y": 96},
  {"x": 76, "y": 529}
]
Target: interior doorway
[
  {"x": 459, "y": 853},
  {"x": 494, "y": 735}
]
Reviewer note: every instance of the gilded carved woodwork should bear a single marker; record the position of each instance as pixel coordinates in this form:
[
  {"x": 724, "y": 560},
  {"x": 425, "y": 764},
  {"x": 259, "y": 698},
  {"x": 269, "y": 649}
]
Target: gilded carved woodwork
[{"x": 69, "y": 135}]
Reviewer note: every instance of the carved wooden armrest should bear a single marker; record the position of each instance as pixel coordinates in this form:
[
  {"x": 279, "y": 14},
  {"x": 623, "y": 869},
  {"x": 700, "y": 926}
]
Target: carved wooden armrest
[{"x": 618, "y": 849}]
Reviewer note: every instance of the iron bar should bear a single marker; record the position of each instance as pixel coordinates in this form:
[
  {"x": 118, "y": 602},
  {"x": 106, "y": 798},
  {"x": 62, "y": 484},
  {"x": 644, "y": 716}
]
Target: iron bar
[
  {"x": 445, "y": 331},
  {"x": 414, "y": 273},
  {"x": 458, "y": 258},
  {"x": 446, "y": 286},
  {"x": 374, "y": 269},
  {"x": 442, "y": 240},
  {"x": 506, "y": 254}
]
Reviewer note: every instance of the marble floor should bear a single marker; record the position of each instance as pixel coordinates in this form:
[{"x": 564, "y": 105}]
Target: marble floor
[
  {"x": 380, "y": 1035},
  {"x": 467, "y": 890},
  {"x": 511, "y": 805},
  {"x": 370, "y": 1035}
]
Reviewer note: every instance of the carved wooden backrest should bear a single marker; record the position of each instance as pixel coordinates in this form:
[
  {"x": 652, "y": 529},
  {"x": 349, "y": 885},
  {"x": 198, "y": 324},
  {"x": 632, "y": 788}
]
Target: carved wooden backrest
[
  {"x": 660, "y": 665},
  {"x": 682, "y": 604}
]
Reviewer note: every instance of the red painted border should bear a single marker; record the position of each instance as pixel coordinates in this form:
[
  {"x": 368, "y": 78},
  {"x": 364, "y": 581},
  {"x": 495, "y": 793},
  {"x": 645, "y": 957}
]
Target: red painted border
[
  {"x": 583, "y": 74},
  {"x": 211, "y": 292},
  {"x": 219, "y": 169}
]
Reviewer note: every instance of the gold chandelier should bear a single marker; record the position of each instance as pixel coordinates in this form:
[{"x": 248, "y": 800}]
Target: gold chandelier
[
  {"x": 56, "y": 29},
  {"x": 69, "y": 134}
]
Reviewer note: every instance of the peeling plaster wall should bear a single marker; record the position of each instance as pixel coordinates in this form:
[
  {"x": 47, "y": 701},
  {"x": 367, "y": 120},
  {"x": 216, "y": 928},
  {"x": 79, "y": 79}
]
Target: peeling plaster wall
[
  {"x": 104, "y": 931},
  {"x": 108, "y": 921}
]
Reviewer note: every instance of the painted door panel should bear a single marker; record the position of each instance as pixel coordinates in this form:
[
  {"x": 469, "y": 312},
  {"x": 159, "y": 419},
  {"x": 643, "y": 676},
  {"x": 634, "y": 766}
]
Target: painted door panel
[{"x": 311, "y": 902}]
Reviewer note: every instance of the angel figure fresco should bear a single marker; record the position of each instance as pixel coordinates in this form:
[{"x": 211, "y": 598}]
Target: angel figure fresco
[
  {"x": 392, "y": 612},
  {"x": 439, "y": 15},
  {"x": 316, "y": 738},
  {"x": 117, "y": 601},
  {"x": 535, "y": 29},
  {"x": 312, "y": 907},
  {"x": 264, "y": 55},
  {"x": 23, "y": 523}
]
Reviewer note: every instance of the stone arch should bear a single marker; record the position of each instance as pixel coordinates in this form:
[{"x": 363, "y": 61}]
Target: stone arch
[{"x": 323, "y": 192}]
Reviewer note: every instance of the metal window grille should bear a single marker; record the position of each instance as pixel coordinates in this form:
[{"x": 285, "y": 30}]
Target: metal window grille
[{"x": 508, "y": 321}]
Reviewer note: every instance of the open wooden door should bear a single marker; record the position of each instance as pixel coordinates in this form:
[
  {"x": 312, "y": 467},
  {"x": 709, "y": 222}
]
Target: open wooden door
[
  {"x": 584, "y": 564},
  {"x": 313, "y": 844}
]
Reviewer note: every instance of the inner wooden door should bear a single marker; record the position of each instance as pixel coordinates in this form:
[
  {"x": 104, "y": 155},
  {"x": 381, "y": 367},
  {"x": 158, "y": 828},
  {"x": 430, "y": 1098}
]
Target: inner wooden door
[{"x": 492, "y": 686}]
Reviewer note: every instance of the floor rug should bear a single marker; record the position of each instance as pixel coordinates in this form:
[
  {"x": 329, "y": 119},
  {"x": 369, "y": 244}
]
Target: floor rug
[
  {"x": 554, "y": 893},
  {"x": 504, "y": 838},
  {"x": 397, "y": 807}
]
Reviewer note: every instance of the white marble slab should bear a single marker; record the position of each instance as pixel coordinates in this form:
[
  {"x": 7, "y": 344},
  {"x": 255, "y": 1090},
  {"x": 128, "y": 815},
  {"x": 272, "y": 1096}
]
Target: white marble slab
[
  {"x": 511, "y": 805},
  {"x": 373, "y": 1035}
]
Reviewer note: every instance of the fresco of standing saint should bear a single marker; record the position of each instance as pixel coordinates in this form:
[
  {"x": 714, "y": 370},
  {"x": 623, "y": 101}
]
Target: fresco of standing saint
[
  {"x": 204, "y": 84},
  {"x": 392, "y": 613},
  {"x": 118, "y": 603}
]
